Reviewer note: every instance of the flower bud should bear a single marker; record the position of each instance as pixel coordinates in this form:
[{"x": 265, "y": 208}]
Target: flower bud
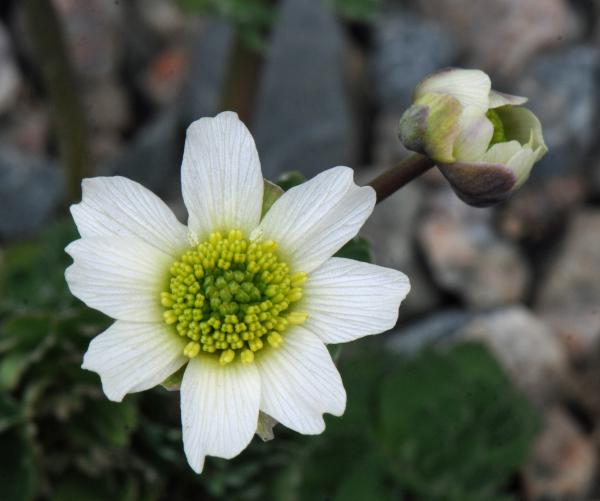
[{"x": 483, "y": 141}]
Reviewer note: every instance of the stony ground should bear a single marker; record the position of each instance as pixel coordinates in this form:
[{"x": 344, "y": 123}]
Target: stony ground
[{"x": 524, "y": 278}]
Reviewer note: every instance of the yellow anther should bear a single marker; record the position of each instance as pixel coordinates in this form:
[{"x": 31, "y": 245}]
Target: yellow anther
[
  {"x": 227, "y": 357},
  {"x": 170, "y": 317},
  {"x": 275, "y": 339},
  {"x": 166, "y": 300},
  {"x": 247, "y": 356},
  {"x": 298, "y": 279},
  {"x": 191, "y": 349},
  {"x": 297, "y": 317},
  {"x": 294, "y": 295},
  {"x": 226, "y": 293}
]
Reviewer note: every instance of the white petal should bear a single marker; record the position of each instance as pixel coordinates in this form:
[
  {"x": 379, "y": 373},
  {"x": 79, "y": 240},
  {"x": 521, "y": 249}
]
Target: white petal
[
  {"x": 501, "y": 153},
  {"x": 521, "y": 164},
  {"x": 475, "y": 135},
  {"x": 300, "y": 382},
  {"x": 221, "y": 179},
  {"x": 117, "y": 206},
  {"x": 121, "y": 277},
  {"x": 134, "y": 356},
  {"x": 219, "y": 409},
  {"x": 312, "y": 221},
  {"x": 347, "y": 299},
  {"x": 470, "y": 87},
  {"x": 498, "y": 99}
]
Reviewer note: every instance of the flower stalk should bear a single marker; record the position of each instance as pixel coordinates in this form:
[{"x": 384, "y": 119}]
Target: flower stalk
[{"x": 400, "y": 174}]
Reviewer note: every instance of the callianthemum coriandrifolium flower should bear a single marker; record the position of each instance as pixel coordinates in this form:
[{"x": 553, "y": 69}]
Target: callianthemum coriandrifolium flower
[
  {"x": 483, "y": 141},
  {"x": 245, "y": 301}
]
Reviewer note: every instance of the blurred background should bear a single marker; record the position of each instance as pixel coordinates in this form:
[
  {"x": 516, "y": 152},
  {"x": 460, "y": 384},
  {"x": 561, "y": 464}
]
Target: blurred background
[{"x": 489, "y": 386}]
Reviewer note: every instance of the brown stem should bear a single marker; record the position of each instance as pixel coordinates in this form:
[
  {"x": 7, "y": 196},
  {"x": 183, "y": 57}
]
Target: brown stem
[
  {"x": 50, "y": 48},
  {"x": 243, "y": 77},
  {"x": 400, "y": 174}
]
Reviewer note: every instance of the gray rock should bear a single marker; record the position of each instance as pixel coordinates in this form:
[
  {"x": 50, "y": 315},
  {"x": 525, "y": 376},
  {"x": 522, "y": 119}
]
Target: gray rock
[
  {"x": 563, "y": 94},
  {"x": 208, "y": 62},
  {"x": 163, "y": 17},
  {"x": 539, "y": 209},
  {"x": 504, "y": 35},
  {"x": 30, "y": 191},
  {"x": 10, "y": 78},
  {"x": 154, "y": 156},
  {"x": 439, "y": 327},
  {"x": 569, "y": 295},
  {"x": 391, "y": 232},
  {"x": 303, "y": 119},
  {"x": 408, "y": 47},
  {"x": 528, "y": 350},
  {"x": 92, "y": 35},
  {"x": 563, "y": 461},
  {"x": 467, "y": 256}
]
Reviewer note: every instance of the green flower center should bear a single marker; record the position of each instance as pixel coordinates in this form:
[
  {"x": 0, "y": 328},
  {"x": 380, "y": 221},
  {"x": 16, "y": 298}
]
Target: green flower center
[
  {"x": 230, "y": 296},
  {"x": 499, "y": 135}
]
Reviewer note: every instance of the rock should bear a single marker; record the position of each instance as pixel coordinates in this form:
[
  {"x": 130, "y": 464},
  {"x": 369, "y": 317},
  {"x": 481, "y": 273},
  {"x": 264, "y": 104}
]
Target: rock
[
  {"x": 467, "y": 257},
  {"x": 563, "y": 94},
  {"x": 569, "y": 295},
  {"x": 391, "y": 232},
  {"x": 106, "y": 106},
  {"x": 163, "y": 17},
  {"x": 26, "y": 128},
  {"x": 503, "y": 35},
  {"x": 540, "y": 208},
  {"x": 439, "y": 327},
  {"x": 108, "y": 114},
  {"x": 207, "y": 68},
  {"x": 30, "y": 191},
  {"x": 528, "y": 350},
  {"x": 91, "y": 30},
  {"x": 154, "y": 156},
  {"x": 583, "y": 387},
  {"x": 399, "y": 37},
  {"x": 563, "y": 462},
  {"x": 164, "y": 77},
  {"x": 10, "y": 78},
  {"x": 303, "y": 118}
]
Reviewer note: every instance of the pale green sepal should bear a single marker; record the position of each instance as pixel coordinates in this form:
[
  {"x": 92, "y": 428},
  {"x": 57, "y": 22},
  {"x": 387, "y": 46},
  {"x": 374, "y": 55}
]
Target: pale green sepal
[
  {"x": 173, "y": 382},
  {"x": 522, "y": 125},
  {"x": 264, "y": 427},
  {"x": 270, "y": 195},
  {"x": 430, "y": 126},
  {"x": 498, "y": 99}
]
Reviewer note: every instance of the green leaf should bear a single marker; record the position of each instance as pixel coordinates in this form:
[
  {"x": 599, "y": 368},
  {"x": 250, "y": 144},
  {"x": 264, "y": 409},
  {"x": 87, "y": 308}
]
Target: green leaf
[
  {"x": 106, "y": 422},
  {"x": 452, "y": 425},
  {"x": 290, "y": 179},
  {"x": 252, "y": 18},
  {"x": 357, "y": 10},
  {"x": 23, "y": 341},
  {"x": 17, "y": 472},
  {"x": 358, "y": 248},
  {"x": 364, "y": 481}
]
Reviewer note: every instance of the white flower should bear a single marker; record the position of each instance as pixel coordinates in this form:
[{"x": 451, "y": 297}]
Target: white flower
[{"x": 247, "y": 304}]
